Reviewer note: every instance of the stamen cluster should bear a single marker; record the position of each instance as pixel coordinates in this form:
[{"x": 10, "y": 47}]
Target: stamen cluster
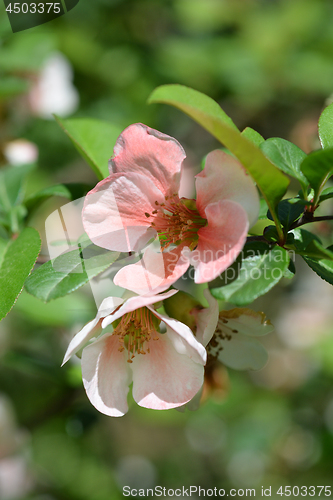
[
  {"x": 134, "y": 330},
  {"x": 176, "y": 221}
]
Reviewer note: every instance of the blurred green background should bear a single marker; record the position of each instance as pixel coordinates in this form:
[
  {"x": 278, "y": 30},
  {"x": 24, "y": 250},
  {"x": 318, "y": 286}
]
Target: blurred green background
[{"x": 269, "y": 63}]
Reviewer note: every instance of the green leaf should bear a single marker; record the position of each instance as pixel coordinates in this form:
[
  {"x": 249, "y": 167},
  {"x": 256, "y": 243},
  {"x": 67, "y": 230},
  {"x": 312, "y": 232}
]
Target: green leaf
[
  {"x": 326, "y": 194},
  {"x": 272, "y": 183},
  {"x": 16, "y": 262},
  {"x": 94, "y": 140},
  {"x": 289, "y": 211},
  {"x": 12, "y": 182},
  {"x": 11, "y": 86},
  {"x": 318, "y": 168},
  {"x": 253, "y": 136},
  {"x": 287, "y": 157},
  {"x": 263, "y": 209},
  {"x": 324, "y": 268},
  {"x": 69, "y": 191},
  {"x": 325, "y": 127},
  {"x": 68, "y": 272},
  {"x": 262, "y": 269},
  {"x": 309, "y": 245}
]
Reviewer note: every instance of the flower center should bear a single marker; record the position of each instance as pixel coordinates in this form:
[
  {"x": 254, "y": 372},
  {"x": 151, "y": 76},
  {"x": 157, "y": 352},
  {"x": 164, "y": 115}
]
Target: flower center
[
  {"x": 134, "y": 330},
  {"x": 177, "y": 221}
]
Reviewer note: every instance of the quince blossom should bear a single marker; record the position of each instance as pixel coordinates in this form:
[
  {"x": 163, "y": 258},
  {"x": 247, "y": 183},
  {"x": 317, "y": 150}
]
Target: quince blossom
[
  {"x": 232, "y": 341},
  {"x": 140, "y": 200},
  {"x": 167, "y": 369}
]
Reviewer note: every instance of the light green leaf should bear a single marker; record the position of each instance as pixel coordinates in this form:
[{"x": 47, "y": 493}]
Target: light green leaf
[
  {"x": 325, "y": 127},
  {"x": 318, "y": 168},
  {"x": 272, "y": 183},
  {"x": 261, "y": 269},
  {"x": 68, "y": 272},
  {"x": 94, "y": 140},
  {"x": 287, "y": 157},
  {"x": 263, "y": 209},
  {"x": 253, "y": 136},
  {"x": 16, "y": 262}
]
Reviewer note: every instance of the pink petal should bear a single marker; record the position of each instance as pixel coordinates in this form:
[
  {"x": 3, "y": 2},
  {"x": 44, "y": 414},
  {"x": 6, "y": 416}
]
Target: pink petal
[
  {"x": 221, "y": 241},
  {"x": 224, "y": 178},
  {"x": 134, "y": 303},
  {"x": 88, "y": 331},
  {"x": 183, "y": 339},
  {"x": 106, "y": 376},
  {"x": 206, "y": 319},
  {"x": 146, "y": 151},
  {"x": 114, "y": 212},
  {"x": 155, "y": 272},
  {"x": 164, "y": 378}
]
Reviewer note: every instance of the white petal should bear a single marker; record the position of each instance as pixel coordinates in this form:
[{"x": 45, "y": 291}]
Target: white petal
[
  {"x": 106, "y": 376},
  {"x": 164, "y": 378},
  {"x": 247, "y": 321},
  {"x": 88, "y": 331},
  {"x": 206, "y": 319},
  {"x": 242, "y": 353},
  {"x": 183, "y": 339},
  {"x": 134, "y": 303}
]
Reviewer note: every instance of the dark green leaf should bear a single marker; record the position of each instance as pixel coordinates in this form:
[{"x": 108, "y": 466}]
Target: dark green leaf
[
  {"x": 208, "y": 114},
  {"x": 69, "y": 191},
  {"x": 326, "y": 194},
  {"x": 94, "y": 140},
  {"x": 68, "y": 272},
  {"x": 262, "y": 269},
  {"x": 17, "y": 258},
  {"x": 325, "y": 127},
  {"x": 309, "y": 245},
  {"x": 289, "y": 211},
  {"x": 324, "y": 268},
  {"x": 287, "y": 157},
  {"x": 318, "y": 167}
]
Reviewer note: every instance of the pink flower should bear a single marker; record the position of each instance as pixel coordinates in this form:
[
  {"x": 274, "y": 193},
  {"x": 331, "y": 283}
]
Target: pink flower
[
  {"x": 166, "y": 369},
  {"x": 139, "y": 200}
]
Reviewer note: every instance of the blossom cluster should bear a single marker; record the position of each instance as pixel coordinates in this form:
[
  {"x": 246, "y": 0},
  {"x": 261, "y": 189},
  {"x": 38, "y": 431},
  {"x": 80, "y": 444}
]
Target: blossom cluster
[{"x": 135, "y": 339}]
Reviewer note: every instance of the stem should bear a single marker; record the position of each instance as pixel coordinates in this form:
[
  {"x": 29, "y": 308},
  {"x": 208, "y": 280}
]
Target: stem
[{"x": 307, "y": 218}]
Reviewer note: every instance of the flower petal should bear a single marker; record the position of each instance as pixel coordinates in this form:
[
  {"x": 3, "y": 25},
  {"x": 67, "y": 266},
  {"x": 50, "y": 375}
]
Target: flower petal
[
  {"x": 114, "y": 212},
  {"x": 155, "y": 272},
  {"x": 206, "y": 319},
  {"x": 183, "y": 339},
  {"x": 134, "y": 303},
  {"x": 88, "y": 331},
  {"x": 164, "y": 378},
  {"x": 106, "y": 376},
  {"x": 241, "y": 352},
  {"x": 146, "y": 151},
  {"x": 225, "y": 178},
  {"x": 221, "y": 241},
  {"x": 247, "y": 321}
]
